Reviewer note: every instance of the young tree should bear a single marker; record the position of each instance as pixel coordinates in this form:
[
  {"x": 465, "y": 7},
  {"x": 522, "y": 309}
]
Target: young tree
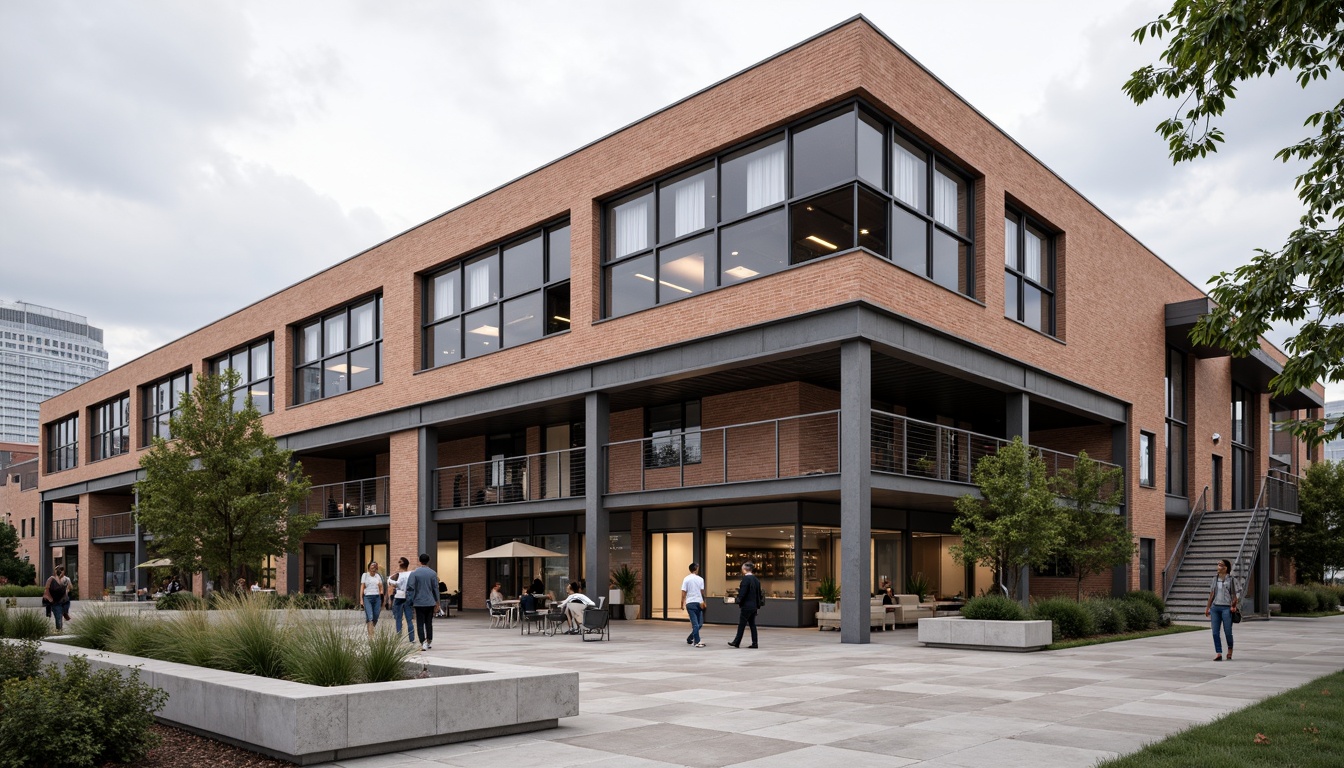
[
  {"x": 1213, "y": 46},
  {"x": 1018, "y": 523},
  {"x": 1317, "y": 545},
  {"x": 221, "y": 495},
  {"x": 12, "y": 569},
  {"x": 1095, "y": 539}
]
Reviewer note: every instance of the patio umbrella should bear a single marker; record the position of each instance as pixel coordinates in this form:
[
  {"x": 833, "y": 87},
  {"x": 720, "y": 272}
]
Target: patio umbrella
[
  {"x": 158, "y": 562},
  {"x": 516, "y": 549}
]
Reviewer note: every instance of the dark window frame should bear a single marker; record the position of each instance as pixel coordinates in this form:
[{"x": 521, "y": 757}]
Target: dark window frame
[
  {"x": 1148, "y": 460},
  {"x": 1018, "y": 272},
  {"x": 936, "y": 162},
  {"x": 63, "y": 444},
  {"x": 110, "y": 436},
  {"x": 1177, "y": 399},
  {"x": 326, "y": 358},
  {"x": 153, "y": 419},
  {"x": 674, "y": 446},
  {"x": 553, "y": 289},
  {"x": 247, "y": 380}
]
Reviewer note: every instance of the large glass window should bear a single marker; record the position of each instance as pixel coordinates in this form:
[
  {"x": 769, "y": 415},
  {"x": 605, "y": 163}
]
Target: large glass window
[
  {"x": 1176, "y": 424},
  {"x": 159, "y": 402},
  {"x": 340, "y": 352},
  {"x": 675, "y": 429},
  {"x": 1146, "y": 458},
  {"x": 770, "y": 549},
  {"x": 1029, "y": 277},
  {"x": 255, "y": 375},
  {"x": 63, "y": 444},
  {"x": 111, "y": 433},
  {"x": 497, "y": 299},
  {"x": 824, "y": 186},
  {"x": 1243, "y": 448}
]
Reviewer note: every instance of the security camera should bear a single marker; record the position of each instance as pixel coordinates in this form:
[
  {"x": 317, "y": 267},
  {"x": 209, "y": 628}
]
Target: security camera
[{"x": 1216, "y": 438}]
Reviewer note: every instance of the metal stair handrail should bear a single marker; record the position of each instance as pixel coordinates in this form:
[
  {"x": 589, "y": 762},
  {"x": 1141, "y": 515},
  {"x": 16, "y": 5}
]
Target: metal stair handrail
[
  {"x": 1256, "y": 523},
  {"x": 1197, "y": 511}
]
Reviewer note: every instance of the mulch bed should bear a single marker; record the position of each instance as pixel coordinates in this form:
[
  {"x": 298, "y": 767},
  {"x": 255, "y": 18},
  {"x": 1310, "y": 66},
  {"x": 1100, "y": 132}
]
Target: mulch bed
[{"x": 181, "y": 749}]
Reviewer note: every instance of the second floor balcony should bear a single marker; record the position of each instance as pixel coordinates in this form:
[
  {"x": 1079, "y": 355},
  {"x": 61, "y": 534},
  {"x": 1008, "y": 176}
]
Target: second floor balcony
[
  {"x": 65, "y": 530},
  {"x": 354, "y": 498},
  {"x": 104, "y": 526},
  {"x": 550, "y": 475}
]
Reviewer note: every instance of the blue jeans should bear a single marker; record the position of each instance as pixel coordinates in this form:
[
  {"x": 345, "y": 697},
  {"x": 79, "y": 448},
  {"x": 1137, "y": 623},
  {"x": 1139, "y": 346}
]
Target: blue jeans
[
  {"x": 697, "y": 621},
  {"x": 373, "y": 607},
  {"x": 1221, "y": 615},
  {"x": 401, "y": 606}
]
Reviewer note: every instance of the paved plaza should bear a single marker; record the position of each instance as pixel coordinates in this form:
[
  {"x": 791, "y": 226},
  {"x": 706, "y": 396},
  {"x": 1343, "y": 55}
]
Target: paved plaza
[{"x": 804, "y": 699}]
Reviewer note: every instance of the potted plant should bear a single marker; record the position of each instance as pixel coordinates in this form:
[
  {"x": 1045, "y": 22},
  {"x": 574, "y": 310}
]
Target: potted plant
[
  {"x": 829, "y": 592},
  {"x": 916, "y": 584},
  {"x": 627, "y": 581}
]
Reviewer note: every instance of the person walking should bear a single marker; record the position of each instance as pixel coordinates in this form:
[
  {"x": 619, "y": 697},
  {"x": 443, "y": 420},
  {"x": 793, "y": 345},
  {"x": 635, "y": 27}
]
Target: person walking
[
  {"x": 374, "y": 588},
  {"x": 422, "y": 592},
  {"x": 693, "y": 601},
  {"x": 749, "y": 601},
  {"x": 57, "y": 595},
  {"x": 396, "y": 587},
  {"x": 1223, "y": 600}
]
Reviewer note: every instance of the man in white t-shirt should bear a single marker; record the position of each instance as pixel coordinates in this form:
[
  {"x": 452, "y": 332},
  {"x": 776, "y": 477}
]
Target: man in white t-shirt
[
  {"x": 693, "y": 600},
  {"x": 575, "y": 603}
]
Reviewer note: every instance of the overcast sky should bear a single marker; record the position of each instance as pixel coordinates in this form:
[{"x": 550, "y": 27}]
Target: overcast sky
[{"x": 165, "y": 163}]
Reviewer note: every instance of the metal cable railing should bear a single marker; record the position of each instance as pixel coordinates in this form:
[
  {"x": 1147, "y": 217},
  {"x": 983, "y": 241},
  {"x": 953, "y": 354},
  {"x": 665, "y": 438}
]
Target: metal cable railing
[
  {"x": 550, "y": 475},
  {"x": 350, "y": 499}
]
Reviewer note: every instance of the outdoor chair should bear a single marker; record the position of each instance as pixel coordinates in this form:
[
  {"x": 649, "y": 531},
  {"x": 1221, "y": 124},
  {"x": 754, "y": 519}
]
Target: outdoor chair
[
  {"x": 499, "y": 614},
  {"x": 529, "y": 619},
  {"x": 596, "y": 621}
]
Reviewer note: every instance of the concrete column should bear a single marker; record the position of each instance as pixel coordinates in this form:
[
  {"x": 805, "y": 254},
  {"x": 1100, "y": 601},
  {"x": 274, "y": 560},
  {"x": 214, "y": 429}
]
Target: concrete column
[
  {"x": 1018, "y": 422},
  {"x": 596, "y": 520},
  {"x": 856, "y": 481},
  {"x": 141, "y": 579},
  {"x": 427, "y": 450}
]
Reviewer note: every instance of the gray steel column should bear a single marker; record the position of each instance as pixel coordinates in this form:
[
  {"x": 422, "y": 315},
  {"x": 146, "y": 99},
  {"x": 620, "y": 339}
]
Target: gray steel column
[
  {"x": 596, "y": 520},
  {"x": 1262, "y": 575},
  {"x": 426, "y": 460},
  {"x": 293, "y": 579},
  {"x": 1018, "y": 423},
  {"x": 44, "y": 561},
  {"x": 140, "y": 553},
  {"x": 1120, "y": 575},
  {"x": 856, "y": 482}
]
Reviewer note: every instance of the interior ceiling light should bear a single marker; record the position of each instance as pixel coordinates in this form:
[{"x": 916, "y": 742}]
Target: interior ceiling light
[
  {"x": 561, "y": 319},
  {"x": 863, "y": 231},
  {"x": 342, "y": 368},
  {"x": 821, "y": 242},
  {"x": 741, "y": 272},
  {"x": 485, "y": 330},
  {"x": 675, "y": 286}
]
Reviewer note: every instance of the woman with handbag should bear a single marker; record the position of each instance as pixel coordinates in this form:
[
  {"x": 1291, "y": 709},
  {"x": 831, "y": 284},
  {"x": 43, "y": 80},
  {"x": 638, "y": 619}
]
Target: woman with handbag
[
  {"x": 1224, "y": 600},
  {"x": 57, "y": 595}
]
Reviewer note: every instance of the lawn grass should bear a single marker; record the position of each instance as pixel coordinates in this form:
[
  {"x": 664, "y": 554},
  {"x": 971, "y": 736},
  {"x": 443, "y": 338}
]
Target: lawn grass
[
  {"x": 1099, "y": 639},
  {"x": 1302, "y": 727},
  {"x": 1314, "y": 615}
]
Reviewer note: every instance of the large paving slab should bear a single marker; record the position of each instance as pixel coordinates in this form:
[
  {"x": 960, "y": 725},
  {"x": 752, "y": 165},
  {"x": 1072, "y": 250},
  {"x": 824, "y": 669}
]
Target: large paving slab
[{"x": 805, "y": 699}]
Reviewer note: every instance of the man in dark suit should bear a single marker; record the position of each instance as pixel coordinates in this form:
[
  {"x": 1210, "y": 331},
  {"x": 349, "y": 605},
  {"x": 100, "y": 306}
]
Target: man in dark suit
[{"x": 749, "y": 601}]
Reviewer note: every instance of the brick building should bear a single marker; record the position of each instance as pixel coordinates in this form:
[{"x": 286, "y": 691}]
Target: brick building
[{"x": 778, "y": 320}]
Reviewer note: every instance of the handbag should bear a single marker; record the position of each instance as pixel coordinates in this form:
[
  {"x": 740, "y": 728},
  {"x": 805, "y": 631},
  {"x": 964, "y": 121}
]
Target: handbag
[{"x": 1236, "y": 615}]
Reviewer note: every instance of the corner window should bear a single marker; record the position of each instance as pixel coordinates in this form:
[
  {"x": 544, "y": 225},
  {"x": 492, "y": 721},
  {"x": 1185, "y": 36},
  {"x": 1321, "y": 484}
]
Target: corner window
[
  {"x": 111, "y": 433},
  {"x": 340, "y": 352},
  {"x": 675, "y": 429},
  {"x": 63, "y": 444},
  {"x": 1146, "y": 464},
  {"x": 1176, "y": 425},
  {"x": 255, "y": 375},
  {"x": 161, "y": 401},
  {"x": 497, "y": 299},
  {"x": 1029, "y": 277}
]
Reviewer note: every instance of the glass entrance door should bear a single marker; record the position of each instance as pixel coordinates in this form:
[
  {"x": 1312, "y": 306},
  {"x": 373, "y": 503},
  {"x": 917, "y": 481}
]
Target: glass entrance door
[
  {"x": 319, "y": 568},
  {"x": 669, "y": 556}
]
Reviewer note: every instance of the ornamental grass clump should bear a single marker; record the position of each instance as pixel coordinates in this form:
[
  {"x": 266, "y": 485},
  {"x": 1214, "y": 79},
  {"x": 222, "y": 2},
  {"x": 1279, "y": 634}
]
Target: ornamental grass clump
[
  {"x": 1070, "y": 618},
  {"x": 384, "y": 658},
  {"x": 322, "y": 653},
  {"x": 248, "y": 638},
  {"x": 95, "y": 626},
  {"x": 26, "y": 624},
  {"x": 993, "y": 608},
  {"x": 138, "y": 636},
  {"x": 189, "y": 639}
]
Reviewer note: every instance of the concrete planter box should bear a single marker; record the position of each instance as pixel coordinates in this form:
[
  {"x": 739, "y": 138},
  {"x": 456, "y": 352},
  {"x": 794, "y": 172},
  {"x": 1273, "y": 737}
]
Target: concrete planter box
[
  {"x": 308, "y": 724},
  {"x": 979, "y": 634}
]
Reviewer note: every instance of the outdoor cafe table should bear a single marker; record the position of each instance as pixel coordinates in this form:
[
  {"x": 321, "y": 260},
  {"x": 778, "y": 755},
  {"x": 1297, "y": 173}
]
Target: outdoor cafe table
[{"x": 512, "y": 606}]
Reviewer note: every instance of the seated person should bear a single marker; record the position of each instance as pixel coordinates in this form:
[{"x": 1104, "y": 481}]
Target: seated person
[
  {"x": 537, "y": 587},
  {"x": 527, "y": 604},
  {"x": 496, "y": 594},
  {"x": 443, "y": 601},
  {"x": 888, "y": 595},
  {"x": 575, "y": 603}
]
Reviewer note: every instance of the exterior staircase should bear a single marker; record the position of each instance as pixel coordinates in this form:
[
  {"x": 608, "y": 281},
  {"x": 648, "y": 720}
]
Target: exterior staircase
[{"x": 1232, "y": 534}]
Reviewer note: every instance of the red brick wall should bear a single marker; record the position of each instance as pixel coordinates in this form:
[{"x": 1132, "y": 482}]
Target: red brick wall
[{"x": 1096, "y": 585}]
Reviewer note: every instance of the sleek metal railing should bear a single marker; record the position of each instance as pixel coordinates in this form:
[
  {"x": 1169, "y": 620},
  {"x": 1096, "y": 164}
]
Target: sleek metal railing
[
  {"x": 906, "y": 446},
  {"x": 1241, "y": 566},
  {"x": 550, "y": 475},
  {"x": 1177, "y": 558},
  {"x": 65, "y": 530},
  {"x": 350, "y": 499},
  {"x": 792, "y": 446},
  {"x": 120, "y": 524},
  {"x": 1280, "y": 491}
]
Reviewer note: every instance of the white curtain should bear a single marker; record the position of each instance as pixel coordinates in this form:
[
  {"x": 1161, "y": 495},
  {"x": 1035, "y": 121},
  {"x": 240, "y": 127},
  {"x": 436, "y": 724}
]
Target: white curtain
[
  {"x": 478, "y": 284},
  {"x": 632, "y": 227},
  {"x": 908, "y": 177},
  {"x": 765, "y": 178},
  {"x": 445, "y": 286},
  {"x": 363, "y": 330},
  {"x": 1032, "y": 265},
  {"x": 1010, "y": 243},
  {"x": 945, "y": 207},
  {"x": 690, "y": 204},
  {"x": 335, "y": 334}
]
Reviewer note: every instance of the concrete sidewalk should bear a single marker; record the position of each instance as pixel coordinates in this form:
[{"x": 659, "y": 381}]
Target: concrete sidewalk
[{"x": 804, "y": 699}]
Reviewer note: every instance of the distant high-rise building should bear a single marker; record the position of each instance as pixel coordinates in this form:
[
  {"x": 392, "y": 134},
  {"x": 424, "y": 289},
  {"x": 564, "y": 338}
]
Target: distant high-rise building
[
  {"x": 43, "y": 352},
  {"x": 1334, "y": 450}
]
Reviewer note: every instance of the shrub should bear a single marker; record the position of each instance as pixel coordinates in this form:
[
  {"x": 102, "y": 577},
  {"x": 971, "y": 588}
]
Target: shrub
[
  {"x": 4, "y": 620},
  {"x": 1152, "y": 598},
  {"x": 26, "y": 624},
  {"x": 1293, "y": 599},
  {"x": 95, "y": 626},
  {"x": 993, "y": 608},
  {"x": 1108, "y": 614},
  {"x": 1140, "y": 615},
  {"x": 180, "y": 601},
  {"x": 1071, "y": 619},
  {"x": 248, "y": 638},
  {"x": 320, "y": 653},
  {"x": 9, "y": 590},
  {"x": 70, "y": 716},
  {"x": 307, "y": 601},
  {"x": 1326, "y": 599},
  {"x": 19, "y": 660},
  {"x": 385, "y": 657},
  {"x": 343, "y": 603}
]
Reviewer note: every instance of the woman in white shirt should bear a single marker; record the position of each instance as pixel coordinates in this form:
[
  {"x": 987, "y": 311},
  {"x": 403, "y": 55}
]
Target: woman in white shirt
[
  {"x": 396, "y": 587},
  {"x": 374, "y": 589}
]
